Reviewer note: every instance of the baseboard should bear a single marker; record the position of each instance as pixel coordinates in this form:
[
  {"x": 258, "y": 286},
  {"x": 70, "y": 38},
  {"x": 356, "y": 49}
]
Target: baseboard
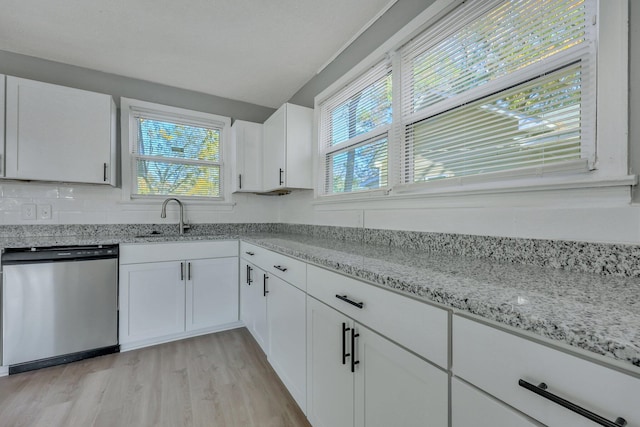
[{"x": 175, "y": 337}]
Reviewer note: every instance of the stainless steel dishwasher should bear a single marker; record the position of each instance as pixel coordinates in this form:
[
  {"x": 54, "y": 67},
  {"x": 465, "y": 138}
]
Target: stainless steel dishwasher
[{"x": 59, "y": 304}]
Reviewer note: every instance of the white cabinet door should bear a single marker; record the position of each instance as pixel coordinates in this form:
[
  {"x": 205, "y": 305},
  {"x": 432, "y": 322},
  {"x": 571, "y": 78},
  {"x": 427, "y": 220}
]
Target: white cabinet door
[
  {"x": 395, "y": 387},
  {"x": 287, "y": 148},
  {"x": 330, "y": 384},
  {"x": 212, "y": 292},
  {"x": 253, "y": 309},
  {"x": 152, "y": 300},
  {"x": 471, "y": 407},
  {"x": 274, "y": 163},
  {"x": 247, "y": 138},
  {"x": 286, "y": 313},
  {"x": 2, "y": 157},
  {"x": 56, "y": 133}
]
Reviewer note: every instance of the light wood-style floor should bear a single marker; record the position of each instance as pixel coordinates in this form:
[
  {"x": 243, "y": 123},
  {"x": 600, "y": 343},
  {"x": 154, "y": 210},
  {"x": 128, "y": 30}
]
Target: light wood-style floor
[{"x": 214, "y": 380}]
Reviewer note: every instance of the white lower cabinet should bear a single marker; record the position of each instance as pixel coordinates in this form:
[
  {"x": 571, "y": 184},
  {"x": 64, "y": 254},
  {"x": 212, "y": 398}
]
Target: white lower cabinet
[
  {"x": 253, "y": 303},
  {"x": 212, "y": 298},
  {"x": 152, "y": 301},
  {"x": 503, "y": 365},
  {"x": 164, "y": 300},
  {"x": 359, "y": 378},
  {"x": 286, "y": 316},
  {"x": 274, "y": 311}
]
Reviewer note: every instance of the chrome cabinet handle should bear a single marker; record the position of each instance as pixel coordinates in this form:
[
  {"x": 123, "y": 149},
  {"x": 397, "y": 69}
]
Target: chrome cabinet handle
[
  {"x": 240, "y": 181},
  {"x": 281, "y": 180},
  {"x": 250, "y": 253},
  {"x": 182, "y": 271},
  {"x": 541, "y": 390},
  {"x": 350, "y": 301},
  {"x": 188, "y": 271},
  {"x": 105, "y": 173},
  {"x": 281, "y": 268}
]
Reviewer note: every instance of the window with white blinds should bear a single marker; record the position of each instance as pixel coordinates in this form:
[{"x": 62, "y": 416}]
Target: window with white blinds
[
  {"x": 498, "y": 86},
  {"x": 175, "y": 156},
  {"x": 354, "y": 134}
]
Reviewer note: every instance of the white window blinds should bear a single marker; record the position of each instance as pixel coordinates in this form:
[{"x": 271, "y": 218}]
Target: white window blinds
[
  {"x": 498, "y": 86},
  {"x": 173, "y": 156},
  {"x": 353, "y": 137}
]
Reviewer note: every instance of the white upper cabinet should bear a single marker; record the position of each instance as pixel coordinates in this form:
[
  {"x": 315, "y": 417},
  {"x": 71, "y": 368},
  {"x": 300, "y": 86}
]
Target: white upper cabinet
[
  {"x": 247, "y": 137},
  {"x": 56, "y": 133},
  {"x": 287, "y": 149},
  {"x": 2, "y": 159}
]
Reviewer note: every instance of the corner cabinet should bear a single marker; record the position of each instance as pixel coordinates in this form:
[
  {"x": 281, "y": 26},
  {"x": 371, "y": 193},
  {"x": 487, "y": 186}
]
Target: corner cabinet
[
  {"x": 57, "y": 133},
  {"x": 247, "y": 138},
  {"x": 287, "y": 149},
  {"x": 273, "y": 308},
  {"x": 163, "y": 298}
]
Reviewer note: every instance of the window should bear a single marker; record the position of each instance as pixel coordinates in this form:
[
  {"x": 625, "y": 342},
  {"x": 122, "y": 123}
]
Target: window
[
  {"x": 355, "y": 132},
  {"x": 490, "y": 90},
  {"x": 174, "y": 152},
  {"x": 499, "y": 87}
]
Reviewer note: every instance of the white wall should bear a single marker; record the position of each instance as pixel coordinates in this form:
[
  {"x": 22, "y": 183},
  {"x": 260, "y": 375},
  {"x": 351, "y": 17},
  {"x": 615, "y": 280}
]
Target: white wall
[
  {"x": 93, "y": 204},
  {"x": 594, "y": 215}
]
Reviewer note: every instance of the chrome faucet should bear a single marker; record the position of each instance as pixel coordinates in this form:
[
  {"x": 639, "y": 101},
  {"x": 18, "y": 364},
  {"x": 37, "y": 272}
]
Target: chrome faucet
[{"x": 163, "y": 213}]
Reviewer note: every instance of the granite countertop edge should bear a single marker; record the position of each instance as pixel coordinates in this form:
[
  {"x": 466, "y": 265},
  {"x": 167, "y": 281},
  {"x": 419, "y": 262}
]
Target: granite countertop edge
[{"x": 502, "y": 312}]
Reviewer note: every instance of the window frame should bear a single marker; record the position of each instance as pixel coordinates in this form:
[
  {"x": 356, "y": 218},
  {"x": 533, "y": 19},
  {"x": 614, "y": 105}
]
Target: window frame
[
  {"x": 131, "y": 110},
  {"x": 371, "y": 76},
  {"x": 610, "y": 165}
]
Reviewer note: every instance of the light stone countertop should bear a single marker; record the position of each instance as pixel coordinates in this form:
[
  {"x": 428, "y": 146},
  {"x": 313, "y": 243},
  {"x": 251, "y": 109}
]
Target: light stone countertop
[{"x": 593, "y": 312}]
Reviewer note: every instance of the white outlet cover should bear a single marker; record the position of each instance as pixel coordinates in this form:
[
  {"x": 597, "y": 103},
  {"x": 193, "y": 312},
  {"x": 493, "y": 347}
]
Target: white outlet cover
[
  {"x": 28, "y": 211},
  {"x": 44, "y": 211}
]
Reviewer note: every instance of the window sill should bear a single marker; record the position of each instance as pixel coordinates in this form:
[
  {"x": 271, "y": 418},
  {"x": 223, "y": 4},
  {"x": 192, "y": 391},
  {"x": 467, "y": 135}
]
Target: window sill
[{"x": 456, "y": 190}]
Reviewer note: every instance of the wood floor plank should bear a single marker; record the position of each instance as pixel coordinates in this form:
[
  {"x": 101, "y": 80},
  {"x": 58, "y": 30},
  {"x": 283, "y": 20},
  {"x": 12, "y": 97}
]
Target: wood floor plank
[{"x": 217, "y": 380}]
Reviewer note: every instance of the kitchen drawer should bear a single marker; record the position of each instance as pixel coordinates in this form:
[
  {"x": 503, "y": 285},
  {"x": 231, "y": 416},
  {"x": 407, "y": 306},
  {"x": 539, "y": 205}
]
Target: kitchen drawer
[
  {"x": 254, "y": 254},
  {"x": 415, "y": 325},
  {"x": 136, "y": 253},
  {"x": 288, "y": 269},
  {"x": 495, "y": 361},
  {"x": 472, "y": 407}
]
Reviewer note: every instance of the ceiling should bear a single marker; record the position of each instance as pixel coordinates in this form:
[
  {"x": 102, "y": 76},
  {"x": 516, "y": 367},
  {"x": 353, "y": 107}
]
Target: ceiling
[{"x": 258, "y": 51}]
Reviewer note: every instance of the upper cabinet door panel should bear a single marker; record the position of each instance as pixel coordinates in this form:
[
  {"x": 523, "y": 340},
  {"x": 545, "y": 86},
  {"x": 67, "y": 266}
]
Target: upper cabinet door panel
[
  {"x": 274, "y": 163},
  {"x": 56, "y": 133}
]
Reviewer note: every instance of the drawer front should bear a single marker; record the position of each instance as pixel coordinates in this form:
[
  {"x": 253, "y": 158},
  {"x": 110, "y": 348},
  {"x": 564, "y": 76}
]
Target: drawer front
[
  {"x": 471, "y": 407},
  {"x": 170, "y": 251},
  {"x": 288, "y": 269},
  {"x": 495, "y": 361},
  {"x": 417, "y": 326},
  {"x": 254, "y": 254}
]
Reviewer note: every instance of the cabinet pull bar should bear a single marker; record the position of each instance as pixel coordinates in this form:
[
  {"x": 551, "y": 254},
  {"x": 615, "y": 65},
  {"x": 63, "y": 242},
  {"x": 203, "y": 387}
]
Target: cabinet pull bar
[
  {"x": 105, "y": 172},
  {"x": 249, "y": 279},
  {"x": 281, "y": 180},
  {"x": 354, "y": 362},
  {"x": 541, "y": 390},
  {"x": 281, "y": 268},
  {"x": 264, "y": 285},
  {"x": 350, "y": 301},
  {"x": 182, "y": 271},
  {"x": 250, "y": 253},
  {"x": 188, "y": 271},
  {"x": 247, "y": 271},
  {"x": 345, "y": 329},
  {"x": 240, "y": 181}
]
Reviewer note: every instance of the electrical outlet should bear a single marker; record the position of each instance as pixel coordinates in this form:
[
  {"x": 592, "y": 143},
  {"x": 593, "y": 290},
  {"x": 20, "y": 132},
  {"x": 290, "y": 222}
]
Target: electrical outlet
[
  {"x": 28, "y": 211},
  {"x": 44, "y": 211}
]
